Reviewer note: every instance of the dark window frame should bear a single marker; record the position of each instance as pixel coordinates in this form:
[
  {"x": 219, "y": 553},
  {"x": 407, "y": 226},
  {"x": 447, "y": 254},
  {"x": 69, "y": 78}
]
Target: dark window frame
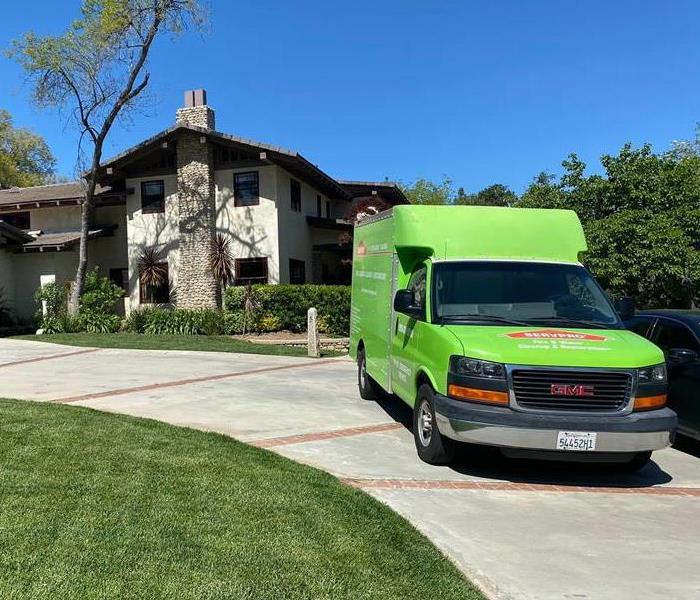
[
  {"x": 328, "y": 209},
  {"x": 240, "y": 280},
  {"x": 254, "y": 199},
  {"x": 295, "y": 263},
  {"x": 161, "y": 294},
  {"x": 319, "y": 206},
  {"x": 295, "y": 195},
  {"x": 153, "y": 206}
]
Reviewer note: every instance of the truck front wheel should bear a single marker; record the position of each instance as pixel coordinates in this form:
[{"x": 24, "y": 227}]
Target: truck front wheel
[
  {"x": 432, "y": 446},
  {"x": 369, "y": 389}
]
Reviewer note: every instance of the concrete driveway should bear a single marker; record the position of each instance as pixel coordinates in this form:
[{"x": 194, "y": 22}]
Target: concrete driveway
[{"x": 518, "y": 529}]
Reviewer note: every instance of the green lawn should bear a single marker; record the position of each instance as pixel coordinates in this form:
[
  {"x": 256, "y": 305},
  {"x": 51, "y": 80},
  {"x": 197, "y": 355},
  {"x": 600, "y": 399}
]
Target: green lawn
[
  {"x": 95, "y": 505},
  {"x": 210, "y": 343}
]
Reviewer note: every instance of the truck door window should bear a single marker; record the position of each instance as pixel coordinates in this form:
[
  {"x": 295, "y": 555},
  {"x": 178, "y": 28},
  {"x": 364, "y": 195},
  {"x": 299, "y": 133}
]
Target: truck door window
[
  {"x": 417, "y": 284},
  {"x": 675, "y": 335}
]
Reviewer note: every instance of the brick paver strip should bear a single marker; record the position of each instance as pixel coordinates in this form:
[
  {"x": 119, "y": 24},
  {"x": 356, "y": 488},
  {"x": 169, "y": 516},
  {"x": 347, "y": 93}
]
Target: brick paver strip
[
  {"x": 325, "y": 435},
  {"x": 48, "y": 357},
  {"x": 180, "y": 382},
  {"x": 507, "y": 486}
]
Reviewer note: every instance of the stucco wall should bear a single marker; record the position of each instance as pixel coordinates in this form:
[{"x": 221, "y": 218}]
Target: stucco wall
[
  {"x": 7, "y": 280},
  {"x": 253, "y": 230},
  {"x": 159, "y": 230},
  {"x": 29, "y": 268},
  {"x": 59, "y": 218}
]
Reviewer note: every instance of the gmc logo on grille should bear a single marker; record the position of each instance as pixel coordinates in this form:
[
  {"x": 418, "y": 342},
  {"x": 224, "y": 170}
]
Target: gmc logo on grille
[{"x": 567, "y": 389}]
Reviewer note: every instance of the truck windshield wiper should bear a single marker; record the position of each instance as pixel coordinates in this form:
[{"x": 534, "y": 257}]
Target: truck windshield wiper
[
  {"x": 574, "y": 322},
  {"x": 492, "y": 318}
]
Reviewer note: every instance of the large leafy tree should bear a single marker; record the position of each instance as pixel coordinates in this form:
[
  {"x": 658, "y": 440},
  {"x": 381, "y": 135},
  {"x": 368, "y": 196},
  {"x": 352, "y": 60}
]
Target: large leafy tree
[
  {"x": 25, "y": 159},
  {"x": 642, "y": 220},
  {"x": 424, "y": 191},
  {"x": 492, "y": 195},
  {"x": 97, "y": 70}
]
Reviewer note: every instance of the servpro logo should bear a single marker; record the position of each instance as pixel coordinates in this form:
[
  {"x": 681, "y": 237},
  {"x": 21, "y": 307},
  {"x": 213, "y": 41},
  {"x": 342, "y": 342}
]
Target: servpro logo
[
  {"x": 556, "y": 334},
  {"x": 361, "y": 249}
]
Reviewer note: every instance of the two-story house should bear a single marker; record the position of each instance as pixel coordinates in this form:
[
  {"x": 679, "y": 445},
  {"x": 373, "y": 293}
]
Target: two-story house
[{"x": 172, "y": 194}]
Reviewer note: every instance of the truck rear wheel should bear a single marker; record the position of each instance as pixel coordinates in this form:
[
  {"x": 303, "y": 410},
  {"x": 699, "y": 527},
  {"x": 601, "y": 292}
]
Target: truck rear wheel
[
  {"x": 369, "y": 389},
  {"x": 432, "y": 446}
]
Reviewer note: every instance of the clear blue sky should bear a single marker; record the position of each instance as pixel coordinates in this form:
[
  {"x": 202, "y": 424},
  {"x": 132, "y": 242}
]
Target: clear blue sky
[{"x": 483, "y": 91}]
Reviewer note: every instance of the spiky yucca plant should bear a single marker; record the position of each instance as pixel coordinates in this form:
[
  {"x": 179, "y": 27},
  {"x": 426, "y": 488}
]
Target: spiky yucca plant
[
  {"x": 152, "y": 270},
  {"x": 221, "y": 263}
]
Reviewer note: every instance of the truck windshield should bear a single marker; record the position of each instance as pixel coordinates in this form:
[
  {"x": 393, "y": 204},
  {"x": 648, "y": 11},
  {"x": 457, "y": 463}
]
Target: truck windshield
[{"x": 519, "y": 293}]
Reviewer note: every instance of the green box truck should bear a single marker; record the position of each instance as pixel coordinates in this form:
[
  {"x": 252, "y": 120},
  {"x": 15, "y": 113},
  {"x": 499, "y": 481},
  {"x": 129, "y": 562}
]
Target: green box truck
[{"x": 485, "y": 322}]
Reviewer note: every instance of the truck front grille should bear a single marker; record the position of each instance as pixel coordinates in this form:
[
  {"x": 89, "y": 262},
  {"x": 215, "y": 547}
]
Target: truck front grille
[{"x": 562, "y": 390}]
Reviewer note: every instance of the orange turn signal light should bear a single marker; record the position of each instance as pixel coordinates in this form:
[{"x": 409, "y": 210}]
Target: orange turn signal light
[
  {"x": 650, "y": 402},
  {"x": 477, "y": 395}
]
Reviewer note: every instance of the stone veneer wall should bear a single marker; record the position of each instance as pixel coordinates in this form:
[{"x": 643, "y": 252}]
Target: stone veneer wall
[{"x": 196, "y": 287}]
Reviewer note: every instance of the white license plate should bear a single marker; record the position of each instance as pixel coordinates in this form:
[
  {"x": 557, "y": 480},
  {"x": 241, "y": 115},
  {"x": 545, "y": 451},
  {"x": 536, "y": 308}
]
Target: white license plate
[{"x": 578, "y": 441}]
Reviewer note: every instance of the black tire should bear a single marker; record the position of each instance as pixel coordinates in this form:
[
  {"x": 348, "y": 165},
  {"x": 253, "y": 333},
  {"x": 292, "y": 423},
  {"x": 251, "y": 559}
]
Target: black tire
[
  {"x": 638, "y": 462},
  {"x": 369, "y": 388},
  {"x": 433, "y": 447}
]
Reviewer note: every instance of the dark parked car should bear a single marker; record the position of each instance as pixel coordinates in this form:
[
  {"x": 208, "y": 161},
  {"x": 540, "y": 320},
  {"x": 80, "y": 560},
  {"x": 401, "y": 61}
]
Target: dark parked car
[{"x": 677, "y": 333}]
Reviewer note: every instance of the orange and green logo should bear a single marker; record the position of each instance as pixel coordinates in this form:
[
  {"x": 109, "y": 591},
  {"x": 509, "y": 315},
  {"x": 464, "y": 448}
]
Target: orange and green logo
[{"x": 556, "y": 334}]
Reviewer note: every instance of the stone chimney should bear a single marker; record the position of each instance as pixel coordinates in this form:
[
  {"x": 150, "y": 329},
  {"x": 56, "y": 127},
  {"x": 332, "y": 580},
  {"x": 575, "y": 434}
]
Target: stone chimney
[{"x": 196, "y": 112}]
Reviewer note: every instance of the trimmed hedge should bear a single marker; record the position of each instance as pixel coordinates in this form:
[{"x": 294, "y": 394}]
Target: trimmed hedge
[{"x": 284, "y": 306}]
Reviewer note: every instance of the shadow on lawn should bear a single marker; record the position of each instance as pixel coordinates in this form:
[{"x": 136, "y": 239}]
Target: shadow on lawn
[{"x": 489, "y": 463}]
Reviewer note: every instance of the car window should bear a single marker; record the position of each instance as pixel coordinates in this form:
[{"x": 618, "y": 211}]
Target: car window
[
  {"x": 675, "y": 335},
  {"x": 639, "y": 325},
  {"x": 417, "y": 284}
]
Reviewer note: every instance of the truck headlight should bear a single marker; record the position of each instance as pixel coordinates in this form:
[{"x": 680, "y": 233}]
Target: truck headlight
[
  {"x": 653, "y": 374},
  {"x": 461, "y": 365}
]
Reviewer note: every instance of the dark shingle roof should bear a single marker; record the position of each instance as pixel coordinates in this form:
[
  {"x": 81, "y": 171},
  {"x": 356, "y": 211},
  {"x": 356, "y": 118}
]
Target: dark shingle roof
[
  {"x": 64, "y": 239},
  {"x": 44, "y": 194}
]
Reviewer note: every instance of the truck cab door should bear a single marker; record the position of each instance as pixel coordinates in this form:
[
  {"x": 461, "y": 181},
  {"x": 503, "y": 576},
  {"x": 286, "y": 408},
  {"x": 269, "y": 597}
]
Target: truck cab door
[
  {"x": 677, "y": 341},
  {"x": 407, "y": 331}
]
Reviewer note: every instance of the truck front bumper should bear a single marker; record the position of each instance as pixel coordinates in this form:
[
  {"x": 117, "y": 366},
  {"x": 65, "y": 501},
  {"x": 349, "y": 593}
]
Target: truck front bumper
[{"x": 507, "y": 428}]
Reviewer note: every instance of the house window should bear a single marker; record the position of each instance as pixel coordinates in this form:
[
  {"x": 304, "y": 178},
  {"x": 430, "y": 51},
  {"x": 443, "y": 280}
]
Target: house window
[
  {"x": 319, "y": 212},
  {"x": 155, "y": 294},
  {"x": 328, "y": 209},
  {"x": 297, "y": 271},
  {"x": 19, "y": 220},
  {"x": 246, "y": 189},
  {"x": 250, "y": 270},
  {"x": 295, "y": 193},
  {"x": 120, "y": 277},
  {"x": 152, "y": 196}
]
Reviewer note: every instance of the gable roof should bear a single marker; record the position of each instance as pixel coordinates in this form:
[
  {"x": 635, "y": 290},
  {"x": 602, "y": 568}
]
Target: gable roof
[{"x": 290, "y": 160}]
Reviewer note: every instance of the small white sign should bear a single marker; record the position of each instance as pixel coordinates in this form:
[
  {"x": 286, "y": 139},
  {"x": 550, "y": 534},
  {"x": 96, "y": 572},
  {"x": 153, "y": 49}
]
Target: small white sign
[{"x": 577, "y": 441}]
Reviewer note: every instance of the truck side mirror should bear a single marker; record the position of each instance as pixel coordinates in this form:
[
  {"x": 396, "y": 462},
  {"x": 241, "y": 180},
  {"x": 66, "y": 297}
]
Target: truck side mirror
[
  {"x": 404, "y": 303},
  {"x": 625, "y": 307},
  {"x": 681, "y": 356}
]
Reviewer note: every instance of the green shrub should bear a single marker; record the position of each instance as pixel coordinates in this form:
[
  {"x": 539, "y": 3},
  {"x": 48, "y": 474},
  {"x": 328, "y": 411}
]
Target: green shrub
[
  {"x": 96, "y": 312},
  {"x": 97, "y": 322},
  {"x": 174, "y": 321},
  {"x": 290, "y": 303},
  {"x": 100, "y": 295},
  {"x": 137, "y": 320},
  {"x": 233, "y": 322},
  {"x": 268, "y": 322}
]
